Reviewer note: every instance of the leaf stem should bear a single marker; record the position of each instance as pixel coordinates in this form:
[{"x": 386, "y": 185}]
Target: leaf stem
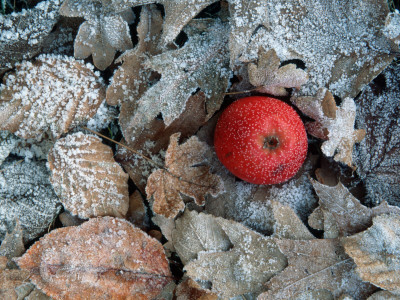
[{"x": 241, "y": 92}]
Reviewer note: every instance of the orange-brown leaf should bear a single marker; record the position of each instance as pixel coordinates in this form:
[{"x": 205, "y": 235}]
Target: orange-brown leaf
[
  {"x": 182, "y": 174},
  {"x": 104, "y": 258},
  {"x": 86, "y": 178}
]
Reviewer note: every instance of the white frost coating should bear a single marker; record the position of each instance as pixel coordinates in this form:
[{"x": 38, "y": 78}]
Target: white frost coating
[
  {"x": 104, "y": 115},
  {"x": 53, "y": 94},
  {"x": 392, "y": 27}
]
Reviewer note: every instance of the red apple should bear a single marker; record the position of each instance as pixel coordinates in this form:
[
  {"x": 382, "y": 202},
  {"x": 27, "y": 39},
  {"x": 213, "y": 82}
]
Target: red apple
[{"x": 261, "y": 140}]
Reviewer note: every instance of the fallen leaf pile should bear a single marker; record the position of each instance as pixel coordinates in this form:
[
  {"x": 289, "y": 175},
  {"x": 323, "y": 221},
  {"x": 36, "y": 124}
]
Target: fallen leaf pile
[{"x": 110, "y": 187}]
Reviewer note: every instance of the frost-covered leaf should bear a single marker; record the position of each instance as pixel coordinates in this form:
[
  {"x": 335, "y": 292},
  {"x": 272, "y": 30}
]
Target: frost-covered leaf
[
  {"x": 342, "y": 44},
  {"x": 200, "y": 65},
  {"x": 287, "y": 224},
  {"x": 244, "y": 268},
  {"x": 51, "y": 95},
  {"x": 246, "y": 17},
  {"x": 269, "y": 78},
  {"x": 333, "y": 124},
  {"x": 315, "y": 264},
  {"x": 195, "y": 233},
  {"x": 23, "y": 34},
  {"x": 105, "y": 30},
  {"x": 183, "y": 173},
  {"x": 377, "y": 157},
  {"x": 102, "y": 258},
  {"x": 376, "y": 252},
  {"x": 86, "y": 177},
  {"x": 154, "y": 140},
  {"x": 132, "y": 79},
  {"x": 383, "y": 295},
  {"x": 7, "y": 144},
  {"x": 392, "y": 27},
  {"x": 345, "y": 211},
  {"x": 26, "y": 194}
]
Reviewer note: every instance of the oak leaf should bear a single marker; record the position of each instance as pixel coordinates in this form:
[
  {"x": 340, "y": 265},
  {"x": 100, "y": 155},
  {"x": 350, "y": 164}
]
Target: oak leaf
[
  {"x": 269, "y": 78},
  {"x": 242, "y": 268},
  {"x": 105, "y": 30},
  {"x": 183, "y": 173},
  {"x": 376, "y": 252},
  {"x": 51, "y": 95},
  {"x": 201, "y": 65},
  {"x": 377, "y": 157},
  {"x": 315, "y": 264},
  {"x": 103, "y": 257},
  {"x": 340, "y": 52},
  {"x": 333, "y": 124},
  {"x": 26, "y": 194},
  {"x": 343, "y": 214},
  {"x": 189, "y": 289},
  {"x": 86, "y": 178}
]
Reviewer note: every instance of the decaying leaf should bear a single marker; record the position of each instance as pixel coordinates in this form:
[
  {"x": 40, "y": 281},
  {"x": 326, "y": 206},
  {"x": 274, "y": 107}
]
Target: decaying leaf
[
  {"x": 376, "y": 252},
  {"x": 201, "y": 65},
  {"x": 342, "y": 44},
  {"x": 244, "y": 268},
  {"x": 343, "y": 214},
  {"x": 23, "y": 34},
  {"x": 86, "y": 177},
  {"x": 105, "y": 30},
  {"x": 155, "y": 137},
  {"x": 104, "y": 257},
  {"x": 51, "y": 95},
  {"x": 132, "y": 79},
  {"x": 184, "y": 174},
  {"x": 137, "y": 211},
  {"x": 26, "y": 194},
  {"x": 189, "y": 289},
  {"x": 269, "y": 78},
  {"x": 378, "y": 155},
  {"x": 315, "y": 264},
  {"x": 333, "y": 124}
]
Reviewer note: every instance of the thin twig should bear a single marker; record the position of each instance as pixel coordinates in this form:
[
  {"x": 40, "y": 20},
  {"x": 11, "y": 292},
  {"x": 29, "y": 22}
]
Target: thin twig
[
  {"x": 125, "y": 146},
  {"x": 241, "y": 92}
]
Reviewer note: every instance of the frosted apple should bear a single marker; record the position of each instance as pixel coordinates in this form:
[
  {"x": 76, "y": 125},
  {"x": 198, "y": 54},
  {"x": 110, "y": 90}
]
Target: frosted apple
[{"x": 261, "y": 140}]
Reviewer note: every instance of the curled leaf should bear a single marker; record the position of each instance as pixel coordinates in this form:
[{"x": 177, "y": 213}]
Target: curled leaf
[
  {"x": 51, "y": 95},
  {"x": 86, "y": 178},
  {"x": 184, "y": 174},
  {"x": 103, "y": 257}
]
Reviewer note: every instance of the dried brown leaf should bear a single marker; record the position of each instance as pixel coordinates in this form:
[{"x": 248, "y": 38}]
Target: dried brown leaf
[
  {"x": 137, "y": 212},
  {"x": 376, "y": 252},
  {"x": 334, "y": 124},
  {"x": 10, "y": 280},
  {"x": 201, "y": 65},
  {"x": 243, "y": 268},
  {"x": 184, "y": 174},
  {"x": 104, "y": 257},
  {"x": 155, "y": 138},
  {"x": 189, "y": 289},
  {"x": 346, "y": 212},
  {"x": 51, "y": 95},
  {"x": 315, "y": 264},
  {"x": 269, "y": 78},
  {"x": 86, "y": 178},
  {"x": 383, "y": 295}
]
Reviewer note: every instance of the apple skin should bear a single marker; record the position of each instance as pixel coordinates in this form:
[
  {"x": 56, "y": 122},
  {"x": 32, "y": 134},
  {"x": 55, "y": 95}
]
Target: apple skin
[{"x": 261, "y": 140}]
